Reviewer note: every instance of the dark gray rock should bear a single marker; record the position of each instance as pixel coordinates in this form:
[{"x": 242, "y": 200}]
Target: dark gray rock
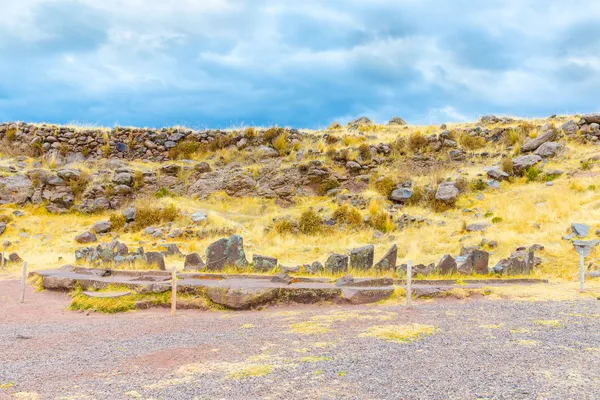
[
  {"x": 396, "y": 121},
  {"x": 361, "y": 258},
  {"x": 336, "y": 263},
  {"x": 548, "y": 136},
  {"x": 477, "y": 227},
  {"x": 401, "y": 195},
  {"x": 315, "y": 268},
  {"x": 263, "y": 263},
  {"x": 101, "y": 227},
  {"x": 282, "y": 277},
  {"x": 171, "y": 249},
  {"x": 2, "y": 227},
  {"x": 344, "y": 280},
  {"x": 447, "y": 192},
  {"x": 86, "y": 237},
  {"x": 215, "y": 255},
  {"x": 14, "y": 258},
  {"x": 472, "y": 260},
  {"x": 365, "y": 296},
  {"x": 497, "y": 174},
  {"x": 521, "y": 163},
  {"x": 388, "y": 261},
  {"x": 129, "y": 214},
  {"x": 447, "y": 265},
  {"x": 193, "y": 261},
  {"x": 155, "y": 259},
  {"x": 241, "y": 298},
  {"x": 234, "y": 251},
  {"x": 569, "y": 128},
  {"x": 548, "y": 149}
]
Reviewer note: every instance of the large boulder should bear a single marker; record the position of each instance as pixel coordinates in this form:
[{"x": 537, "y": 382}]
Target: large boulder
[
  {"x": 548, "y": 136},
  {"x": 263, "y": 263},
  {"x": 193, "y": 261},
  {"x": 224, "y": 252},
  {"x": 336, "y": 263},
  {"x": 86, "y": 237},
  {"x": 155, "y": 259},
  {"x": 241, "y": 298},
  {"x": 362, "y": 257},
  {"x": 447, "y": 265},
  {"x": 401, "y": 195},
  {"x": 365, "y": 296},
  {"x": 497, "y": 174},
  {"x": 388, "y": 261},
  {"x": 472, "y": 260},
  {"x": 521, "y": 163},
  {"x": 447, "y": 192},
  {"x": 101, "y": 227},
  {"x": 591, "y": 118},
  {"x": 519, "y": 263},
  {"x": 548, "y": 149},
  {"x": 397, "y": 121},
  {"x": 123, "y": 178},
  {"x": 569, "y": 128}
]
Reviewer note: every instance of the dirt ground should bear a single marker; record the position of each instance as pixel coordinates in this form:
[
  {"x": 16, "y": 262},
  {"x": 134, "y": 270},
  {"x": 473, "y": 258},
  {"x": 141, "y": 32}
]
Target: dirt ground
[{"x": 477, "y": 349}]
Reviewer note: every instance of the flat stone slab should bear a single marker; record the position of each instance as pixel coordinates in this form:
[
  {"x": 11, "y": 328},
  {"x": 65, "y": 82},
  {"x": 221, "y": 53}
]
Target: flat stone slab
[{"x": 106, "y": 295}]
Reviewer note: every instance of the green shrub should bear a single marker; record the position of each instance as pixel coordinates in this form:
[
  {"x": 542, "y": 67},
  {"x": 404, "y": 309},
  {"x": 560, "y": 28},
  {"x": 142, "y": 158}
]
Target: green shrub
[
  {"x": 310, "y": 223},
  {"x": 11, "y": 135},
  {"x": 138, "y": 180},
  {"x": 365, "y": 151},
  {"x": 497, "y": 220},
  {"x": 79, "y": 184},
  {"x": 117, "y": 221},
  {"x": 507, "y": 165},
  {"x": 471, "y": 142},
  {"x": 385, "y": 186},
  {"x": 382, "y": 221},
  {"x": 283, "y": 225},
  {"x": 327, "y": 185},
  {"x": 148, "y": 214},
  {"x": 347, "y": 215},
  {"x": 532, "y": 174},
  {"x": 249, "y": 133},
  {"x": 184, "y": 149},
  {"x": 586, "y": 165},
  {"x": 478, "y": 184},
  {"x": 417, "y": 142},
  {"x": 272, "y": 133},
  {"x": 163, "y": 192}
]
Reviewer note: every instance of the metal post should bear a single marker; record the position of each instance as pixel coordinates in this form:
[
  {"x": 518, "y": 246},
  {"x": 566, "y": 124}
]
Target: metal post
[
  {"x": 581, "y": 273},
  {"x": 408, "y": 283},
  {"x": 173, "y": 291},
  {"x": 23, "y": 275}
]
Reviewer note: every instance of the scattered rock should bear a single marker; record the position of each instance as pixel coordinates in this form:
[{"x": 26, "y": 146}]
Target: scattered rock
[
  {"x": 472, "y": 261},
  {"x": 388, "y": 261},
  {"x": 397, "y": 121},
  {"x": 242, "y": 298},
  {"x": 336, "y": 263},
  {"x": 521, "y": 163},
  {"x": 282, "y": 277},
  {"x": 446, "y": 191},
  {"x": 497, "y": 174},
  {"x": 86, "y": 237},
  {"x": 362, "y": 258},
  {"x": 548, "y": 149},
  {"x": 548, "y": 136},
  {"x": 263, "y": 263},
  {"x": 155, "y": 259},
  {"x": 101, "y": 227},
  {"x": 365, "y": 296},
  {"x": 447, "y": 265},
  {"x": 193, "y": 261}
]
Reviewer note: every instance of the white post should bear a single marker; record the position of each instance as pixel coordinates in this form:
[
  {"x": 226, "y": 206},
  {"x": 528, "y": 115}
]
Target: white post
[
  {"x": 581, "y": 272},
  {"x": 2, "y": 256},
  {"x": 23, "y": 275},
  {"x": 173, "y": 291},
  {"x": 408, "y": 283}
]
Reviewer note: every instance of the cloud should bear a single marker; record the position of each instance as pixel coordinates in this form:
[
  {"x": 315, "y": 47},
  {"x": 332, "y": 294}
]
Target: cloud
[{"x": 226, "y": 62}]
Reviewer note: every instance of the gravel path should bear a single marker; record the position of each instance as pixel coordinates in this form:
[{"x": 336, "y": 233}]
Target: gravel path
[{"x": 487, "y": 349}]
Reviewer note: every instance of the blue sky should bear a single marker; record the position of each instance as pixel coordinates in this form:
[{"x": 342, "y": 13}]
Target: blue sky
[{"x": 223, "y": 63}]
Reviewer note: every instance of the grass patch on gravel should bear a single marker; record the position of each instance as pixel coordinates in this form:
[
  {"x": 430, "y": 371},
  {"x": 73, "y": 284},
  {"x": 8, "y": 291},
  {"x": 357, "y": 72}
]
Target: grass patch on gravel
[
  {"x": 314, "y": 359},
  {"x": 400, "y": 333},
  {"x": 250, "y": 371},
  {"x": 553, "y": 323},
  {"x": 491, "y": 326},
  {"x": 81, "y": 302},
  {"x": 310, "y": 327}
]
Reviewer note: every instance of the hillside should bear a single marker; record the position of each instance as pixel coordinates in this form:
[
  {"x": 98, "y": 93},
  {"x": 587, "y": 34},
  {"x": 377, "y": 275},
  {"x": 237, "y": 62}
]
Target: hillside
[{"x": 494, "y": 185}]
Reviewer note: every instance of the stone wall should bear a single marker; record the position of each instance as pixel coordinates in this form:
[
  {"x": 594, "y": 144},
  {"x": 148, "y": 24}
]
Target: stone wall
[{"x": 119, "y": 142}]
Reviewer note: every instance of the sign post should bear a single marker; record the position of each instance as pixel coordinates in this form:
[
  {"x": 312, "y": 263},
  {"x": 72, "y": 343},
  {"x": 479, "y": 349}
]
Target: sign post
[
  {"x": 173, "y": 291},
  {"x": 583, "y": 248},
  {"x": 408, "y": 284},
  {"x": 23, "y": 276}
]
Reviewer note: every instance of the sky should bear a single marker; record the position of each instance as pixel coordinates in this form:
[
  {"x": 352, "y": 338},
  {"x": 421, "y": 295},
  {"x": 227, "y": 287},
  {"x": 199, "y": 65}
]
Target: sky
[{"x": 231, "y": 63}]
